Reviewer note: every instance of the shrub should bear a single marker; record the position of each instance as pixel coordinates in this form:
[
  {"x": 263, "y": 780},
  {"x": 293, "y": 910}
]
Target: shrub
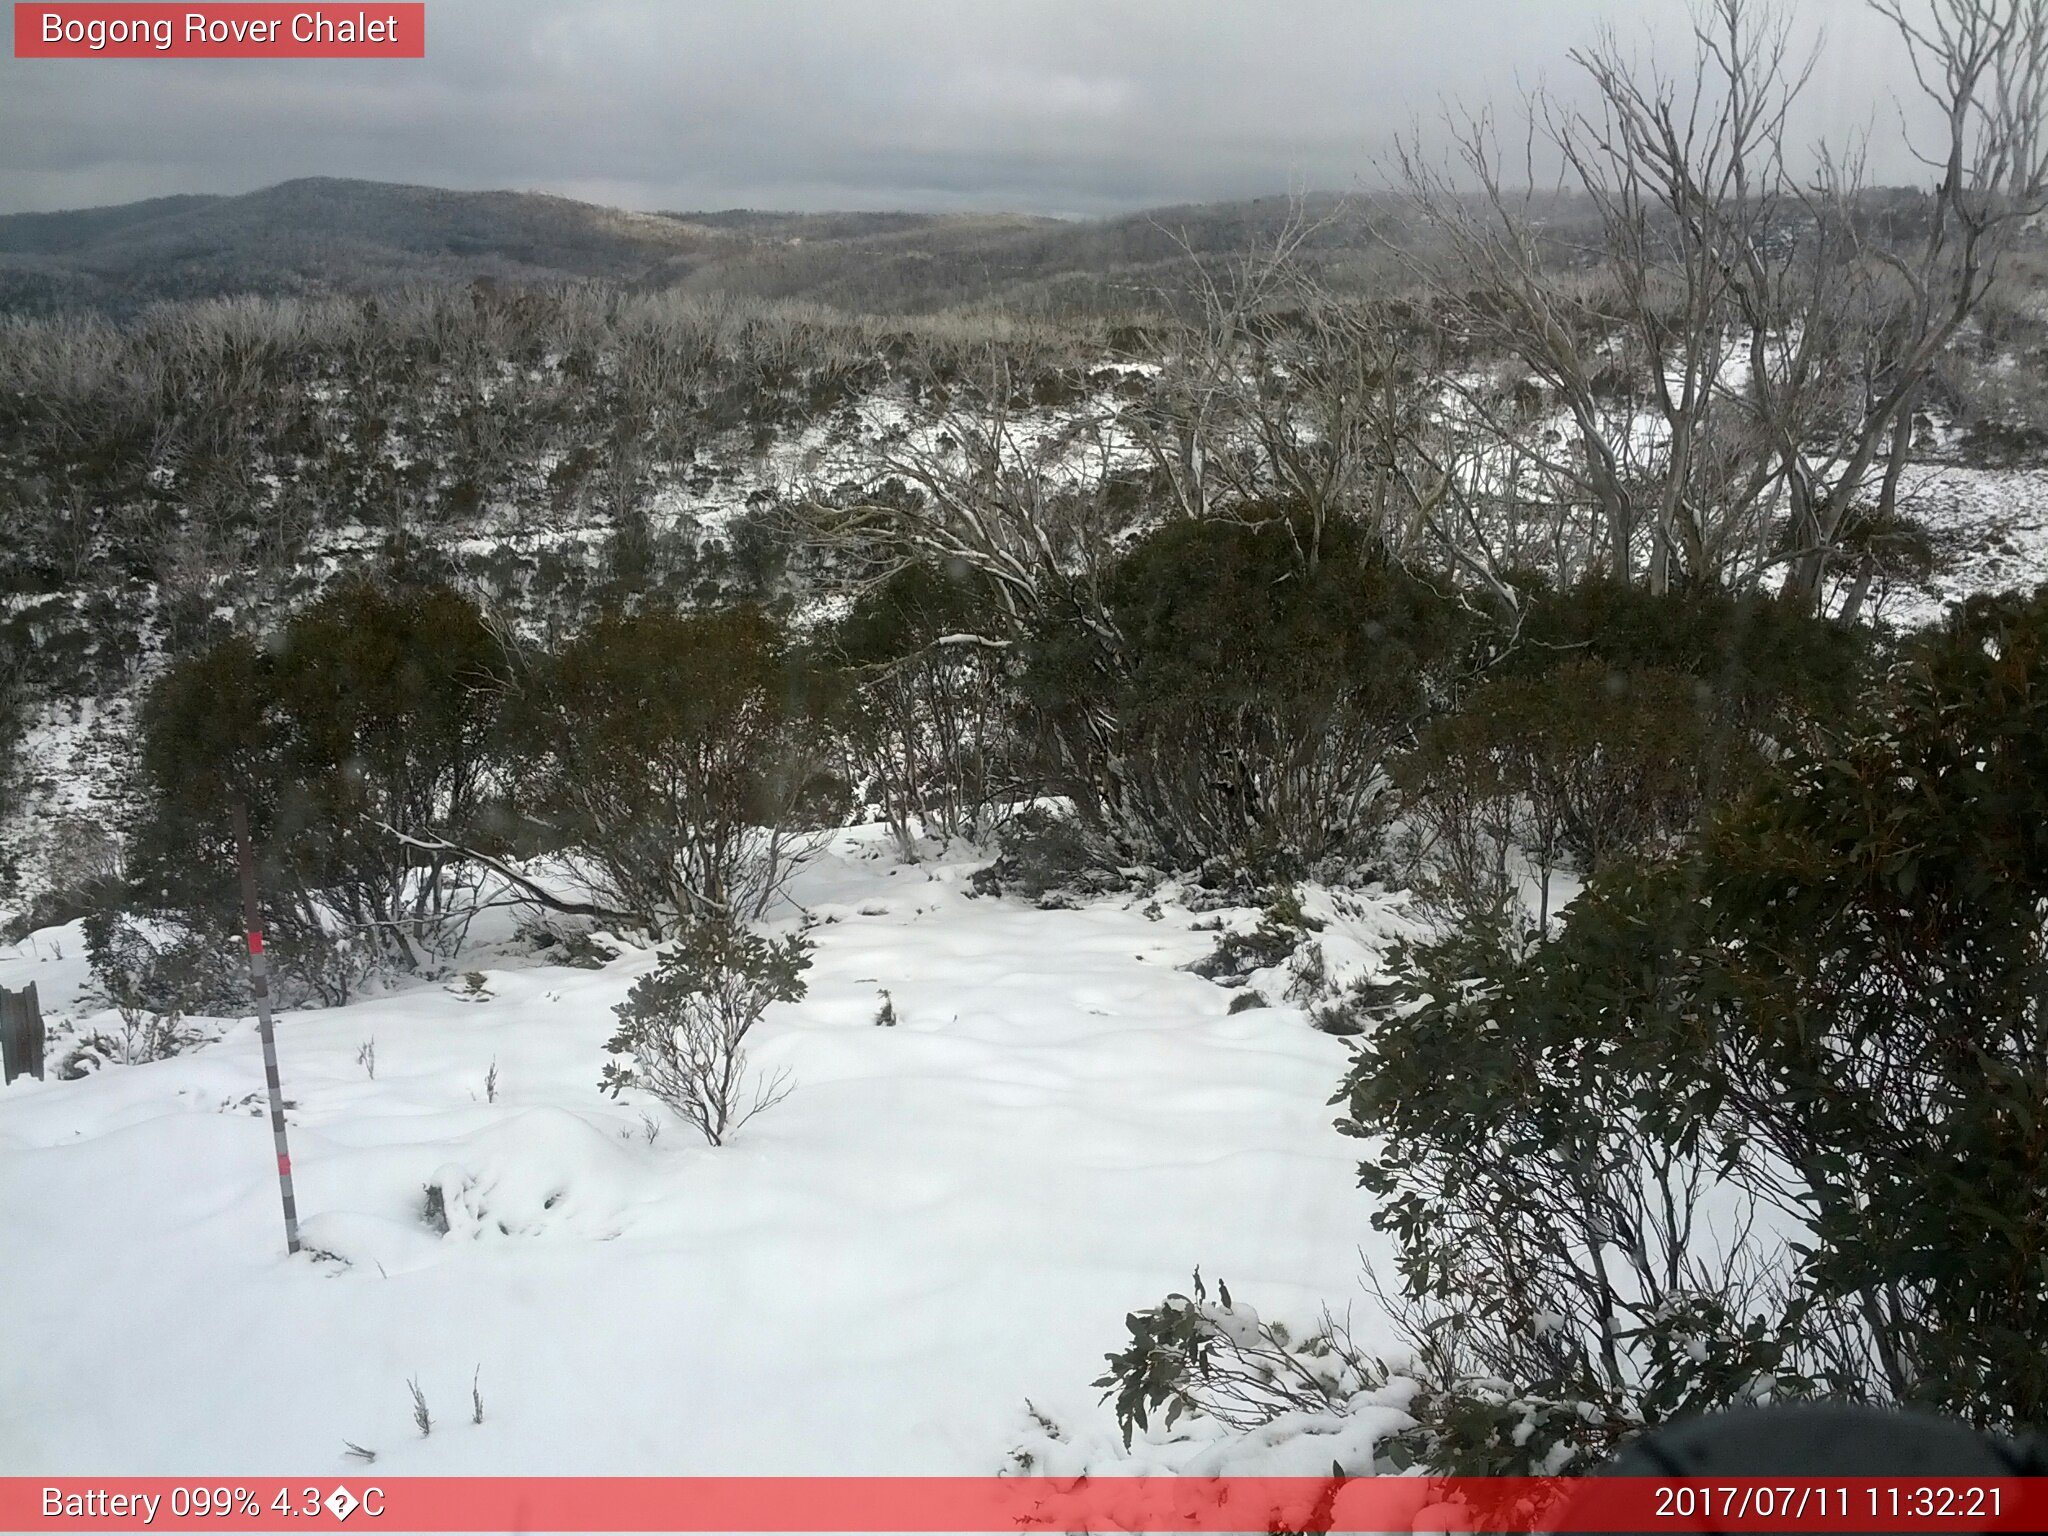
[
  {"x": 673, "y": 757},
  {"x": 1053, "y": 858},
  {"x": 1764, "y": 1118},
  {"x": 80, "y": 855},
  {"x": 1198, "y": 1358},
  {"x": 684, "y": 1025},
  {"x": 370, "y": 721},
  {"x": 1885, "y": 908},
  {"x": 147, "y": 1034},
  {"x": 1580, "y": 763},
  {"x": 1608, "y": 725},
  {"x": 1282, "y": 929},
  {"x": 168, "y": 968},
  {"x": 1547, "y": 1192},
  {"x": 1771, "y": 670},
  {"x": 926, "y": 720},
  {"x": 1201, "y": 1359},
  {"x": 1241, "y": 699}
]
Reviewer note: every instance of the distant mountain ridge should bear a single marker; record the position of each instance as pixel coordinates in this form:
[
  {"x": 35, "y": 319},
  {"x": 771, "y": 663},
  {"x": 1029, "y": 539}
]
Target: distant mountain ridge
[
  {"x": 327, "y": 235},
  {"x": 318, "y": 235}
]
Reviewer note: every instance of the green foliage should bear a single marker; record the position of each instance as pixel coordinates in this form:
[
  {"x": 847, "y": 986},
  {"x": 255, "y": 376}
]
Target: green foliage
[
  {"x": 1580, "y": 763},
  {"x": 1607, "y": 763},
  {"x": 373, "y": 714},
  {"x": 1193, "y": 1357},
  {"x": 208, "y": 737},
  {"x": 1247, "y": 694},
  {"x": 1769, "y": 667},
  {"x": 1828, "y": 1013},
  {"x": 1614, "y": 720},
  {"x": 672, "y": 753},
  {"x": 391, "y": 700},
  {"x": 1474, "y": 1429},
  {"x": 903, "y": 615},
  {"x": 1542, "y": 1156},
  {"x": 1281, "y": 930},
  {"x": 1053, "y": 858},
  {"x": 683, "y": 1027},
  {"x": 1886, "y": 960}
]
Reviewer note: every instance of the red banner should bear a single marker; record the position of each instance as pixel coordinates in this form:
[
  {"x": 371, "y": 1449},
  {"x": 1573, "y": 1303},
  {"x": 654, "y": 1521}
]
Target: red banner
[
  {"x": 1027, "y": 1504},
  {"x": 68, "y": 29}
]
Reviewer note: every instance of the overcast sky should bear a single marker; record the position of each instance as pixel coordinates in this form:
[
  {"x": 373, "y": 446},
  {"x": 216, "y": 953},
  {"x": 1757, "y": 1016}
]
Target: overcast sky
[{"x": 1050, "y": 106}]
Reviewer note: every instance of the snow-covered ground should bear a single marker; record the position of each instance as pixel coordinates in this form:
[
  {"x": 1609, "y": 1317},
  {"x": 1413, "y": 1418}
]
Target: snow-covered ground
[
  {"x": 75, "y": 765},
  {"x": 944, "y": 1219},
  {"x": 1990, "y": 532}
]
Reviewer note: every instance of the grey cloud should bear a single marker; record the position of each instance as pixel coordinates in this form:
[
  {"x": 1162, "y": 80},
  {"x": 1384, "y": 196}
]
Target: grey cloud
[{"x": 1062, "y": 106}]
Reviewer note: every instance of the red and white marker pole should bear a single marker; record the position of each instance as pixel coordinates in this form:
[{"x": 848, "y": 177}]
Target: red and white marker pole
[{"x": 259, "y": 983}]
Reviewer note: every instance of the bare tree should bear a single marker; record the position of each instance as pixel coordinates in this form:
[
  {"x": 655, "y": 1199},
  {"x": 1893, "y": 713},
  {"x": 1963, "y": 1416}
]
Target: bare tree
[
  {"x": 1274, "y": 391},
  {"x": 1983, "y": 67},
  {"x": 1735, "y": 357},
  {"x": 973, "y": 479}
]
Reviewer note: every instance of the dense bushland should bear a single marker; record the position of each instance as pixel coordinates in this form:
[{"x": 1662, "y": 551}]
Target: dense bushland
[
  {"x": 1608, "y": 723},
  {"x": 1759, "y": 1120},
  {"x": 400, "y": 757},
  {"x": 1732, "y": 1127},
  {"x": 205, "y": 457},
  {"x": 1513, "y": 569},
  {"x": 1764, "y": 1118}
]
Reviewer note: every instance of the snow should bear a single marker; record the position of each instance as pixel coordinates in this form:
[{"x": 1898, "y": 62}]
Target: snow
[
  {"x": 74, "y": 758},
  {"x": 944, "y": 1219},
  {"x": 1990, "y": 531}
]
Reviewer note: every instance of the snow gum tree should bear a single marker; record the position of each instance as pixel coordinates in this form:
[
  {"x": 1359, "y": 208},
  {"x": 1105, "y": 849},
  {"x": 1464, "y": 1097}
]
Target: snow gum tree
[{"x": 1735, "y": 370}]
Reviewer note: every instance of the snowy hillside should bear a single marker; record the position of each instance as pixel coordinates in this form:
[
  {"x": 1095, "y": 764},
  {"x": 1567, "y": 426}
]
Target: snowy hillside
[{"x": 944, "y": 1219}]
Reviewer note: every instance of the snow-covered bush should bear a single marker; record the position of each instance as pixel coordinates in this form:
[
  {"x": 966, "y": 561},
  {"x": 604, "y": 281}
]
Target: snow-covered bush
[
  {"x": 684, "y": 1025},
  {"x": 1053, "y": 858},
  {"x": 165, "y": 966},
  {"x": 1280, "y": 1405},
  {"x": 146, "y": 1034},
  {"x": 1218, "y": 1359},
  {"x": 1278, "y": 937}
]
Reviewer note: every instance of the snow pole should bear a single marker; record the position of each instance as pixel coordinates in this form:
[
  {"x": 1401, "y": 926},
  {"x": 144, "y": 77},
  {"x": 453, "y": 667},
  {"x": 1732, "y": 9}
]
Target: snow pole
[{"x": 259, "y": 983}]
